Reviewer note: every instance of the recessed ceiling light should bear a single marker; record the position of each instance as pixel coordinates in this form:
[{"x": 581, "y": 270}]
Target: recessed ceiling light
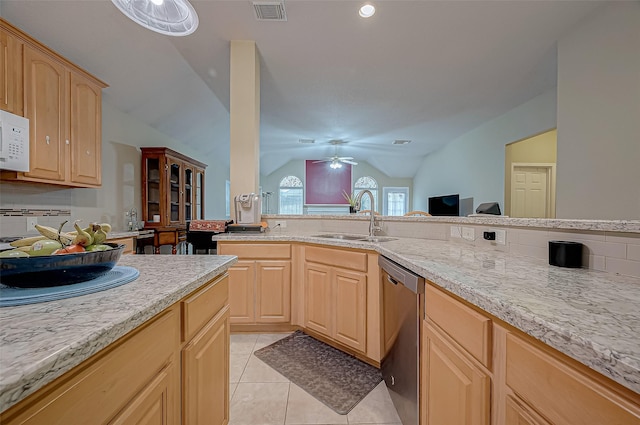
[
  {"x": 401, "y": 142},
  {"x": 306, "y": 141},
  {"x": 367, "y": 10},
  {"x": 169, "y": 17}
]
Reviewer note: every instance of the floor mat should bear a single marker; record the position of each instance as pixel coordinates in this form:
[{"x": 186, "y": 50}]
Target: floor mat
[{"x": 337, "y": 379}]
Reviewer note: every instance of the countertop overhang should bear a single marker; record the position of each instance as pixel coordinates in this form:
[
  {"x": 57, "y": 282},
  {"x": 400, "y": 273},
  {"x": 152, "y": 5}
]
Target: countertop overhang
[
  {"x": 40, "y": 342},
  {"x": 591, "y": 316}
]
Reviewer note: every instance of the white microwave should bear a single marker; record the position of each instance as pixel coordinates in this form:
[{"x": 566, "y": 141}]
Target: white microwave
[{"x": 14, "y": 142}]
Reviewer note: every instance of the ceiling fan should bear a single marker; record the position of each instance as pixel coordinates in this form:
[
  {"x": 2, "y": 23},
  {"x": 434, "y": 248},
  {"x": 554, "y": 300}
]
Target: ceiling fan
[{"x": 337, "y": 161}]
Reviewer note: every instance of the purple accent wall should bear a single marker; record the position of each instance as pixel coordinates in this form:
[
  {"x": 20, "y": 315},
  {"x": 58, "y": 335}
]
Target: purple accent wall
[{"x": 324, "y": 185}]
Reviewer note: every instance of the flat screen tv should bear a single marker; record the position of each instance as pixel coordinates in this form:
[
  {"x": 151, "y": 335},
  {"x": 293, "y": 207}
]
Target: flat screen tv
[{"x": 444, "y": 205}]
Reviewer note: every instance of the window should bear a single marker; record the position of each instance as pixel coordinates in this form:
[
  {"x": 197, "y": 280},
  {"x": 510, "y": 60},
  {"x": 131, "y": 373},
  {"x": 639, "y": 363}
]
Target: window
[
  {"x": 396, "y": 200},
  {"x": 367, "y": 183},
  {"x": 290, "y": 196}
]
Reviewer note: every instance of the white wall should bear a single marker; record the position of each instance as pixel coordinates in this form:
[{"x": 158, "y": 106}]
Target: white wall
[
  {"x": 121, "y": 180},
  {"x": 296, "y": 168},
  {"x": 473, "y": 164},
  {"x": 599, "y": 116}
]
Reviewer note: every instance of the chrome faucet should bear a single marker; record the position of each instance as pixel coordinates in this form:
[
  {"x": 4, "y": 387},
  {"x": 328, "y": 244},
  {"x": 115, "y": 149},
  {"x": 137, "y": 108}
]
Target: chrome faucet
[{"x": 372, "y": 223}]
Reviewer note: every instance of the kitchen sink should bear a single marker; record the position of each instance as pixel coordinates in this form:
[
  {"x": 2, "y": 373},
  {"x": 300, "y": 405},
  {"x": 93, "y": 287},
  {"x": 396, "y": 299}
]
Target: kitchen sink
[
  {"x": 378, "y": 239},
  {"x": 340, "y": 236},
  {"x": 356, "y": 237}
]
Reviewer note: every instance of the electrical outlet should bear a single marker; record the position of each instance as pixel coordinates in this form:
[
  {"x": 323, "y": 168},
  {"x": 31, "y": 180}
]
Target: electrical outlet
[
  {"x": 31, "y": 222},
  {"x": 468, "y": 233},
  {"x": 455, "y": 232},
  {"x": 281, "y": 223},
  {"x": 501, "y": 237}
]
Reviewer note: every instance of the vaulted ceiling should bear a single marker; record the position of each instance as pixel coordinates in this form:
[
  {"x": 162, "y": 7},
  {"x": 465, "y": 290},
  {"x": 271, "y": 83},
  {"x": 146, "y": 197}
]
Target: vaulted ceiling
[{"x": 425, "y": 71}]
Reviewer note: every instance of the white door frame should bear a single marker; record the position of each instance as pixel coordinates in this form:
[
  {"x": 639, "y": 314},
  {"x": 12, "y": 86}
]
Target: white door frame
[
  {"x": 386, "y": 190},
  {"x": 551, "y": 183}
]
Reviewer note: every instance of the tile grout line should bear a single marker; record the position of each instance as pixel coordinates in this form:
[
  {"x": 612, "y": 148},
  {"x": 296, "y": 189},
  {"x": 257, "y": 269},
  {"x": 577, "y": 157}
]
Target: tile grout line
[{"x": 286, "y": 405}]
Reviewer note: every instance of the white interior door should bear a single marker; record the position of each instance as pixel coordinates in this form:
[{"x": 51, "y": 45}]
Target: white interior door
[{"x": 531, "y": 192}]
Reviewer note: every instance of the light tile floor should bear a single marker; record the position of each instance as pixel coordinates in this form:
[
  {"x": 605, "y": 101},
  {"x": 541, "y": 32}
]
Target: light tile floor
[{"x": 261, "y": 396}]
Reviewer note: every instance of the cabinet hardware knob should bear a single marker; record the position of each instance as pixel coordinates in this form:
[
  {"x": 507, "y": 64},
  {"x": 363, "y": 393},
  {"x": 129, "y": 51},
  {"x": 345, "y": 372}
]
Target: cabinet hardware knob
[
  {"x": 66, "y": 141},
  {"x": 88, "y": 153},
  {"x": 47, "y": 139}
]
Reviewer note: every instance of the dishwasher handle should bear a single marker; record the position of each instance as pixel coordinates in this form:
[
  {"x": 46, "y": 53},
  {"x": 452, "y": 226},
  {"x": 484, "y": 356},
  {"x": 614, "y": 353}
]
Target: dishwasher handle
[{"x": 402, "y": 275}]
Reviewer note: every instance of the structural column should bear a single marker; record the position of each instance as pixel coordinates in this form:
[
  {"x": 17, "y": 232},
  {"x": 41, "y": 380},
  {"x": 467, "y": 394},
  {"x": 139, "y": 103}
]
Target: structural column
[{"x": 244, "y": 119}]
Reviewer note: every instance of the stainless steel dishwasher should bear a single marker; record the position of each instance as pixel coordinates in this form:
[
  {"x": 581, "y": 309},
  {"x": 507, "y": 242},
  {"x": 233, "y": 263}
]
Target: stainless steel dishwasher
[{"x": 401, "y": 291}]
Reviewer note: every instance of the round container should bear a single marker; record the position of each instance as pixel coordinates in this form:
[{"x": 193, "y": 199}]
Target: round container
[
  {"x": 57, "y": 270},
  {"x": 565, "y": 254}
]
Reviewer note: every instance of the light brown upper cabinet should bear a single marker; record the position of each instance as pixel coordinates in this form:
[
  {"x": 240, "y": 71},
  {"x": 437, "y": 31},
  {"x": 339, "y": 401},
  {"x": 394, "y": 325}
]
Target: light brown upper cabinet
[
  {"x": 64, "y": 106},
  {"x": 11, "y": 90}
]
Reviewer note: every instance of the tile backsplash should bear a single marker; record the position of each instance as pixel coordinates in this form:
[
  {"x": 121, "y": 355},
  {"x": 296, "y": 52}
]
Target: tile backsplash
[{"x": 607, "y": 251}]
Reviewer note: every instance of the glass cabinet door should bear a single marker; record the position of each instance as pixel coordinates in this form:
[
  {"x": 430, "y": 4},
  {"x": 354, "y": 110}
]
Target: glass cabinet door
[
  {"x": 199, "y": 195},
  {"x": 152, "y": 208},
  {"x": 188, "y": 194},
  {"x": 175, "y": 191}
]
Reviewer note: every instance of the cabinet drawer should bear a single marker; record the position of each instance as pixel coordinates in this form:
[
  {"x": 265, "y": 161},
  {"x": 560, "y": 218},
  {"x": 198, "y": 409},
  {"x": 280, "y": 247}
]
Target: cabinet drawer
[
  {"x": 129, "y": 247},
  {"x": 467, "y": 327},
  {"x": 256, "y": 250},
  {"x": 562, "y": 394},
  {"x": 200, "y": 307},
  {"x": 99, "y": 388},
  {"x": 337, "y": 258}
]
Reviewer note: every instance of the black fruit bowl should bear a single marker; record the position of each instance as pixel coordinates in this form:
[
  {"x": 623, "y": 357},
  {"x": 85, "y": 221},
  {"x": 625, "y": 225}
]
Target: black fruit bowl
[{"x": 58, "y": 270}]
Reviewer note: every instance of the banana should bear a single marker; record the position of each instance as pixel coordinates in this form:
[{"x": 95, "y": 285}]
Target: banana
[
  {"x": 82, "y": 238},
  {"x": 99, "y": 237},
  {"x": 26, "y": 241},
  {"x": 53, "y": 234},
  {"x": 25, "y": 248},
  {"x": 106, "y": 227}
]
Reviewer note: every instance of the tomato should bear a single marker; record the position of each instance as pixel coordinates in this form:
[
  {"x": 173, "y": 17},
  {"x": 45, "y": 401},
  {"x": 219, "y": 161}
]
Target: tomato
[{"x": 70, "y": 249}]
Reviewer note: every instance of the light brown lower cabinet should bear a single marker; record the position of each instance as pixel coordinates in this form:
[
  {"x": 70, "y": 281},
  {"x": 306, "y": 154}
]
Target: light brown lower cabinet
[
  {"x": 137, "y": 379},
  {"x": 516, "y": 414},
  {"x": 478, "y": 370},
  {"x": 456, "y": 391},
  {"x": 129, "y": 244},
  {"x": 336, "y": 304},
  {"x": 205, "y": 379},
  {"x": 260, "y": 283}
]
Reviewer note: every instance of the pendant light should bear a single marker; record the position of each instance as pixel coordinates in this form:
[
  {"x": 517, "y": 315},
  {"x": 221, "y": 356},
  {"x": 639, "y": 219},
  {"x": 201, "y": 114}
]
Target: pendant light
[{"x": 169, "y": 17}]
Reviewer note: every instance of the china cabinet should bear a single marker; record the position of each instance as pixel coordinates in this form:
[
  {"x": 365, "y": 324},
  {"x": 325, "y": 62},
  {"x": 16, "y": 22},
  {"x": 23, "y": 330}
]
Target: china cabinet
[{"x": 172, "y": 194}]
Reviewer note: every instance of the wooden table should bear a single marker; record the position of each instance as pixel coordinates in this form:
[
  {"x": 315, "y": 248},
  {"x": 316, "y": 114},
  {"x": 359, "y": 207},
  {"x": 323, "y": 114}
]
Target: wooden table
[{"x": 169, "y": 235}]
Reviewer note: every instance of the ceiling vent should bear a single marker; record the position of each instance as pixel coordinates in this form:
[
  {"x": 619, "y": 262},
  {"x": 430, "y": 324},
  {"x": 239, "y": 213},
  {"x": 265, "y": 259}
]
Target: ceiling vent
[
  {"x": 270, "y": 10},
  {"x": 401, "y": 142},
  {"x": 306, "y": 141}
]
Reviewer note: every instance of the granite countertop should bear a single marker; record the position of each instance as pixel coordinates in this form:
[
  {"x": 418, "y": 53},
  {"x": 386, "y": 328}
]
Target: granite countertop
[
  {"x": 40, "y": 342},
  {"x": 591, "y": 316}
]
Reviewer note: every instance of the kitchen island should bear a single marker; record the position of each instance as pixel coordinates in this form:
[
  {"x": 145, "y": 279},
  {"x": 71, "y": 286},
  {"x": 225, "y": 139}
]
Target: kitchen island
[
  {"x": 41, "y": 342},
  {"x": 590, "y": 316}
]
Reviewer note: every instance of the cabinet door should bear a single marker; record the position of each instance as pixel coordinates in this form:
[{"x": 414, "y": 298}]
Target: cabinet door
[
  {"x": 188, "y": 193},
  {"x": 198, "y": 195},
  {"x": 151, "y": 406},
  {"x": 45, "y": 106},
  {"x": 456, "y": 392},
  {"x": 152, "y": 190},
  {"x": 518, "y": 415},
  {"x": 10, "y": 73},
  {"x": 206, "y": 374},
  {"x": 241, "y": 291},
  {"x": 176, "y": 192},
  {"x": 273, "y": 291},
  {"x": 350, "y": 301},
  {"x": 317, "y": 298},
  {"x": 86, "y": 131}
]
